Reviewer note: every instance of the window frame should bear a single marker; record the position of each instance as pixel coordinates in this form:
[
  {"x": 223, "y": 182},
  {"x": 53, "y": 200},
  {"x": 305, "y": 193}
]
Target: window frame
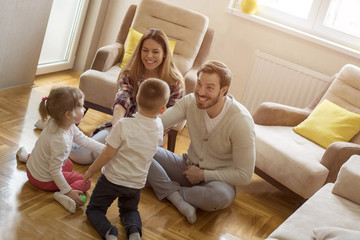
[
  {"x": 69, "y": 51},
  {"x": 333, "y": 34},
  {"x": 291, "y": 20},
  {"x": 311, "y": 29}
]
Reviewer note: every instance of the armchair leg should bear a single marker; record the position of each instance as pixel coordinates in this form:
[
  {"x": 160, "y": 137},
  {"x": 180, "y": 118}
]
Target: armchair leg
[{"x": 171, "y": 140}]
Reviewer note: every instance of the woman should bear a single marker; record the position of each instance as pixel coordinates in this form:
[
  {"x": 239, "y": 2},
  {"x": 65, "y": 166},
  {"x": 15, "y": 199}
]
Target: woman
[{"x": 151, "y": 59}]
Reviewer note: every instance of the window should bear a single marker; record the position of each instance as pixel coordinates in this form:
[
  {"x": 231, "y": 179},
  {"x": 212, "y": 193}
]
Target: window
[
  {"x": 337, "y": 21},
  {"x": 62, "y": 35},
  {"x": 300, "y": 9}
]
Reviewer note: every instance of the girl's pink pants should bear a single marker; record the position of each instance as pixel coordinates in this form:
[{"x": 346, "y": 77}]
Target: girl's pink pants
[{"x": 74, "y": 180}]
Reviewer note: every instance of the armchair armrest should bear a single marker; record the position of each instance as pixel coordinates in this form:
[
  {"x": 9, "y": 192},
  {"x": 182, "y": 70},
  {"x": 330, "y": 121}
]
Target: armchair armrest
[
  {"x": 190, "y": 79},
  {"x": 336, "y": 155},
  {"x": 204, "y": 51},
  {"x": 275, "y": 114},
  {"x": 107, "y": 56}
]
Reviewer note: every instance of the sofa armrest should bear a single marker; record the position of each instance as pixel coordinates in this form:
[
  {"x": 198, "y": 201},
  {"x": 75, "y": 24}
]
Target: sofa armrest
[
  {"x": 347, "y": 182},
  {"x": 107, "y": 56},
  {"x": 336, "y": 155},
  {"x": 275, "y": 114}
]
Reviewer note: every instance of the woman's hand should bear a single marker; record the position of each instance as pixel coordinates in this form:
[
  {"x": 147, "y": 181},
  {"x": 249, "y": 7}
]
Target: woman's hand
[{"x": 118, "y": 113}]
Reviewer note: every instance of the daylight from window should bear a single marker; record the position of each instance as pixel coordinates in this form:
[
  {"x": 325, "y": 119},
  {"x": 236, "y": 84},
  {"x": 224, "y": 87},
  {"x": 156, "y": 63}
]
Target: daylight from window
[
  {"x": 296, "y": 8},
  {"x": 344, "y": 16},
  {"x": 336, "y": 21}
]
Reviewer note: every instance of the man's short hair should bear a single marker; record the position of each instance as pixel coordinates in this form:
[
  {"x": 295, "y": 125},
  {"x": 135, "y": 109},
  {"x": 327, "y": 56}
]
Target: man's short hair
[
  {"x": 153, "y": 94},
  {"x": 220, "y": 69}
]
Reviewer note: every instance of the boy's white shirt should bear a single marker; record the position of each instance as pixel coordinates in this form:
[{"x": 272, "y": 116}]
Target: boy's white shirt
[{"x": 137, "y": 140}]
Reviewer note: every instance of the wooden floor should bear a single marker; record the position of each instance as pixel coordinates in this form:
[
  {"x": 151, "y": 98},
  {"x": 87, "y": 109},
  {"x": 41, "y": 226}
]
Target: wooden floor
[{"x": 28, "y": 213}]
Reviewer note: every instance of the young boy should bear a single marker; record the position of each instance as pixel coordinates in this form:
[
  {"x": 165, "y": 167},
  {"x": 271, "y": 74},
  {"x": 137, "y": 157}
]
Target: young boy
[{"x": 125, "y": 162}]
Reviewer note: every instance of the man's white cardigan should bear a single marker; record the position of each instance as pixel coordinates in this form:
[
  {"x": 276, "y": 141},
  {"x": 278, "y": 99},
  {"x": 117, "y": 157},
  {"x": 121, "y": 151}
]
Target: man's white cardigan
[{"x": 227, "y": 153}]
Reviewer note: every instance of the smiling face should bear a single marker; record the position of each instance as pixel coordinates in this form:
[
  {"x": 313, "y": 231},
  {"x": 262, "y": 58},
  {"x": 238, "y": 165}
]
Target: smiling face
[
  {"x": 152, "y": 55},
  {"x": 208, "y": 93}
]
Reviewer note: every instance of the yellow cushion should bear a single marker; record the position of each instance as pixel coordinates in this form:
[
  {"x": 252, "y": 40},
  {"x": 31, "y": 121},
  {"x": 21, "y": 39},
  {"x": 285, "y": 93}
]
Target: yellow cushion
[
  {"x": 131, "y": 43},
  {"x": 329, "y": 123}
]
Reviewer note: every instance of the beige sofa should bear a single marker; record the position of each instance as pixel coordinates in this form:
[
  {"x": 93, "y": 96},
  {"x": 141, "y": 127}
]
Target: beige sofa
[
  {"x": 333, "y": 212},
  {"x": 290, "y": 161}
]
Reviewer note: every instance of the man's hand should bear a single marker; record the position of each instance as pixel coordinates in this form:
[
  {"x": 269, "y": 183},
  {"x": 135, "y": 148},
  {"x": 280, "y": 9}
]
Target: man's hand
[{"x": 194, "y": 174}]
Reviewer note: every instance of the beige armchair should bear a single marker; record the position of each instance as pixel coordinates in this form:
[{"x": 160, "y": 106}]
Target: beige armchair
[
  {"x": 293, "y": 163},
  {"x": 193, "y": 40}
]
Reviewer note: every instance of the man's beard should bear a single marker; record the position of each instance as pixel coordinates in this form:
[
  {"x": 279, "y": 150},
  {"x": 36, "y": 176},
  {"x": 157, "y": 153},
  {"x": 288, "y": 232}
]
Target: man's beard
[{"x": 207, "y": 105}]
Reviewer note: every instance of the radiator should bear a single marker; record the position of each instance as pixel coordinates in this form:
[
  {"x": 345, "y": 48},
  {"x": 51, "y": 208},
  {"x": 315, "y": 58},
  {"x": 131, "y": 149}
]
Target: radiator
[{"x": 273, "y": 79}]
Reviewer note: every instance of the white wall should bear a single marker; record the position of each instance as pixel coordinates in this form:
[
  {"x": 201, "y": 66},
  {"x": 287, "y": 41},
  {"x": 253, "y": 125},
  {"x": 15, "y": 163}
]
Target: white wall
[
  {"x": 236, "y": 40},
  {"x": 22, "y": 25},
  {"x": 90, "y": 35}
]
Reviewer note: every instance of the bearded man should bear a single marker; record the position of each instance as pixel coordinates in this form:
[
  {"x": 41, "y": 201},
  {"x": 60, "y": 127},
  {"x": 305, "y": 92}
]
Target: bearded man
[{"x": 221, "y": 154}]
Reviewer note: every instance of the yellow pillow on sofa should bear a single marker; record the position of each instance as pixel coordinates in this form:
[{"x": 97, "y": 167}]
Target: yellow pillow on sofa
[
  {"x": 131, "y": 43},
  {"x": 329, "y": 123}
]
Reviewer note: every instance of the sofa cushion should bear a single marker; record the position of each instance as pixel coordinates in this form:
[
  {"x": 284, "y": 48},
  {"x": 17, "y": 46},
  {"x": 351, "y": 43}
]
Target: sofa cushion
[
  {"x": 297, "y": 164},
  {"x": 323, "y": 209},
  {"x": 329, "y": 123},
  {"x": 335, "y": 233},
  {"x": 345, "y": 91},
  {"x": 347, "y": 184},
  {"x": 132, "y": 41}
]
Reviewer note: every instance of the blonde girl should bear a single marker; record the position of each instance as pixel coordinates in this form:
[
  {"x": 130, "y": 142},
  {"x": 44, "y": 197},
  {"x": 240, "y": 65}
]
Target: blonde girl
[{"x": 48, "y": 165}]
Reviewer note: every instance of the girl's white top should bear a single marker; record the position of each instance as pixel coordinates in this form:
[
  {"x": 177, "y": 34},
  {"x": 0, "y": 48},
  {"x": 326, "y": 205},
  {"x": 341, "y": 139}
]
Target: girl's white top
[{"x": 51, "y": 151}]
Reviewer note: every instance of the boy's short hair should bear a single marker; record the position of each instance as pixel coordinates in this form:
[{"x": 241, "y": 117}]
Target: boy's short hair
[{"x": 153, "y": 94}]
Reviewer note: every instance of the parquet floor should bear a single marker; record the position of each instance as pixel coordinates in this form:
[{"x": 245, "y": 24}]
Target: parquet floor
[{"x": 28, "y": 213}]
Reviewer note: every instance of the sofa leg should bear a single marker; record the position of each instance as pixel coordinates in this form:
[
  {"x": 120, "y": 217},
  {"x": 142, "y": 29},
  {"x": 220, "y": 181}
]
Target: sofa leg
[{"x": 279, "y": 186}]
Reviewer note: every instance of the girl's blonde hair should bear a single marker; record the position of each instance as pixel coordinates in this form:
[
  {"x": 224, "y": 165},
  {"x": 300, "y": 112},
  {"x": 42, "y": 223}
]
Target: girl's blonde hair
[
  {"x": 135, "y": 69},
  {"x": 59, "y": 101}
]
